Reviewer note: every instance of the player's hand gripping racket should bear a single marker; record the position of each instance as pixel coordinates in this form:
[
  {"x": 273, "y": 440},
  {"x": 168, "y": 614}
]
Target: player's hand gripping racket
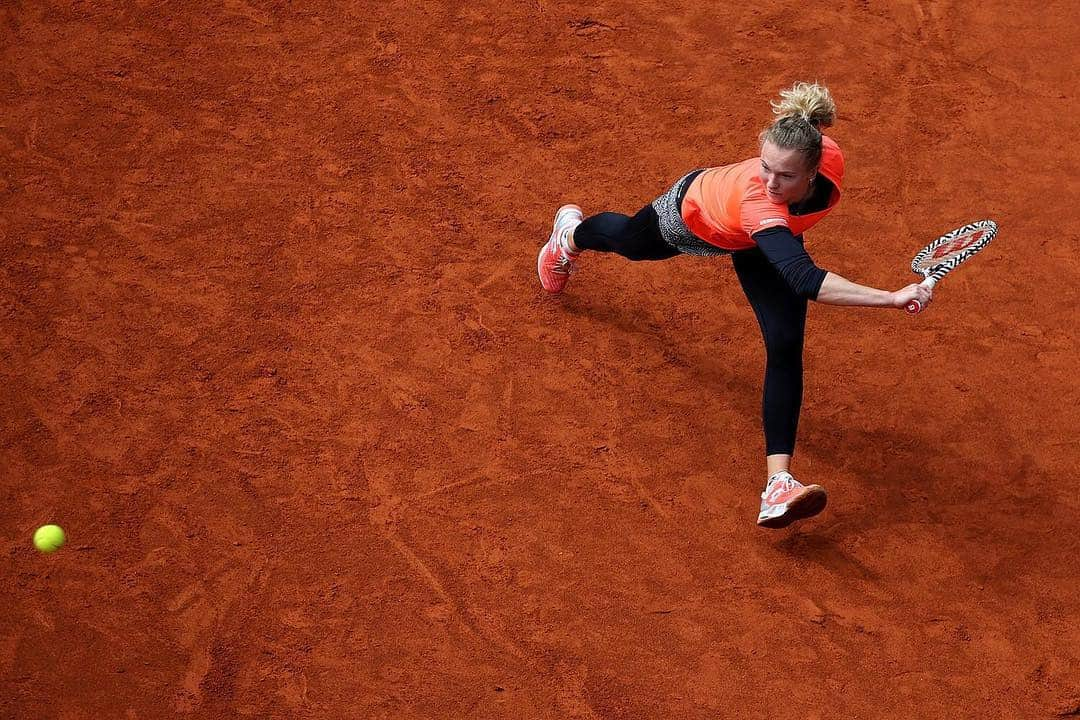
[{"x": 937, "y": 259}]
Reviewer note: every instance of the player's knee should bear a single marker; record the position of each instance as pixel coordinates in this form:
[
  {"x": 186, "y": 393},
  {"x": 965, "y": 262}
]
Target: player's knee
[{"x": 784, "y": 348}]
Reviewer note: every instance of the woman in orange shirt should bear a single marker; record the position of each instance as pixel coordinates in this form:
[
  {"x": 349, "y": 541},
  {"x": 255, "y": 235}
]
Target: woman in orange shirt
[{"x": 755, "y": 211}]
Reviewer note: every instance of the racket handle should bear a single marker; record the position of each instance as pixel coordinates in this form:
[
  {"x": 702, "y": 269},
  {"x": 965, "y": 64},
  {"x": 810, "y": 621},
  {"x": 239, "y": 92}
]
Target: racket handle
[{"x": 915, "y": 307}]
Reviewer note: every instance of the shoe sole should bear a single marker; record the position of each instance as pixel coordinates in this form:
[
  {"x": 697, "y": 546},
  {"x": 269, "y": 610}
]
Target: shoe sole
[
  {"x": 809, "y": 503},
  {"x": 540, "y": 255}
]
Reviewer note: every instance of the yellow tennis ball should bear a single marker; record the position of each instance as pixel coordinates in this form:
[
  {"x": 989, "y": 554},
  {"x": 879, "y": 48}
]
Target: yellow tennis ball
[{"x": 49, "y": 538}]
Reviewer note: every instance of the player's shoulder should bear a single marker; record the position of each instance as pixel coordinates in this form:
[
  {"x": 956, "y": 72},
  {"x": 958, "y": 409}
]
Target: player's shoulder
[
  {"x": 832, "y": 161},
  {"x": 757, "y": 212}
]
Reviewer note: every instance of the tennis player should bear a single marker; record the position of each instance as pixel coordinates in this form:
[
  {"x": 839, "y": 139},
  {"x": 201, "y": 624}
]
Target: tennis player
[{"x": 756, "y": 211}]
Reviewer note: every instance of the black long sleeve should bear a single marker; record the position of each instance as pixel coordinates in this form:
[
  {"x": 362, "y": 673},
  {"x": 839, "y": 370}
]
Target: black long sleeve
[{"x": 787, "y": 254}]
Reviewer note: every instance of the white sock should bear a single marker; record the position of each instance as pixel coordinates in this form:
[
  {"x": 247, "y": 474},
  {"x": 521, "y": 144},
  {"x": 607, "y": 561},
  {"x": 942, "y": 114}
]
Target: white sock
[{"x": 564, "y": 240}]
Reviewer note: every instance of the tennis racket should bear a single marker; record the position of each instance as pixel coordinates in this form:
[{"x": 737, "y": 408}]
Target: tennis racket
[{"x": 940, "y": 257}]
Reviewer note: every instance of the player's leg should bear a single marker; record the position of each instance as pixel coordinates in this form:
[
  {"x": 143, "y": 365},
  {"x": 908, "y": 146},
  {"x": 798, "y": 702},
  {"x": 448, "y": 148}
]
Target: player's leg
[
  {"x": 635, "y": 238},
  {"x": 781, "y": 314}
]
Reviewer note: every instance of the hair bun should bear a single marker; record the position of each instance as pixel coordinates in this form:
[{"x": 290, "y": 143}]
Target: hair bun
[{"x": 808, "y": 101}]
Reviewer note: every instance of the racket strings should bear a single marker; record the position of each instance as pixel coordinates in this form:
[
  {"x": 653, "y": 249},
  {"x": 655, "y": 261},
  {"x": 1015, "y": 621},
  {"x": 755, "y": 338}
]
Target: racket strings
[{"x": 951, "y": 249}]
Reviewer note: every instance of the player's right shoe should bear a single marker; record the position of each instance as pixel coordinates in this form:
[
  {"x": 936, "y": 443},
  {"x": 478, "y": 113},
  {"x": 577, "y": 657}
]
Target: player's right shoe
[
  {"x": 786, "y": 500},
  {"x": 555, "y": 263}
]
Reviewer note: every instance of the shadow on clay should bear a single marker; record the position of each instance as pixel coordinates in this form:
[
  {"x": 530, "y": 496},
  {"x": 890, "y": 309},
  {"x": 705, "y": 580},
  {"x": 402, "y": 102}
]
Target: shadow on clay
[{"x": 821, "y": 549}]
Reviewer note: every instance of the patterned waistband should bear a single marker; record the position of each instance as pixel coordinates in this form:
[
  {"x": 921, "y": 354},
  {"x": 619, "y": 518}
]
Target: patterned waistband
[{"x": 672, "y": 227}]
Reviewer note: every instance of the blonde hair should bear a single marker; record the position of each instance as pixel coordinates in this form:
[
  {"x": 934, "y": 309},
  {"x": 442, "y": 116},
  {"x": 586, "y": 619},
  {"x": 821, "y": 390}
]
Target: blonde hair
[{"x": 802, "y": 111}]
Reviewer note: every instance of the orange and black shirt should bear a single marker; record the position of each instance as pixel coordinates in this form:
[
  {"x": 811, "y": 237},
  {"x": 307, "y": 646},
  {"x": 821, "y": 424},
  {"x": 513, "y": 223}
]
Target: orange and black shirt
[
  {"x": 725, "y": 206},
  {"x": 728, "y": 207}
]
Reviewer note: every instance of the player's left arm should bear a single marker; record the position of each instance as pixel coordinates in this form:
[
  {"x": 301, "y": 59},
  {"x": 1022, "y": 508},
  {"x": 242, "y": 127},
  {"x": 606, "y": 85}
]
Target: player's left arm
[
  {"x": 788, "y": 255},
  {"x": 837, "y": 290}
]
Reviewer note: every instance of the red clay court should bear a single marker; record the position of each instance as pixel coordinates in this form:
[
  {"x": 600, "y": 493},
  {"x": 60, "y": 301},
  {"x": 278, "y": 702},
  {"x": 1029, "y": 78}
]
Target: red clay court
[{"x": 274, "y": 354}]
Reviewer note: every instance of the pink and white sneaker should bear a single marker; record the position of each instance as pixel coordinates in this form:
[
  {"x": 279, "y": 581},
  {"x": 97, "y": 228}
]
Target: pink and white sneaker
[
  {"x": 555, "y": 263},
  {"x": 786, "y": 500}
]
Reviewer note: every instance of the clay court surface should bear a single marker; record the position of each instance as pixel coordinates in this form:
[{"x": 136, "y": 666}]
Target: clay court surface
[{"x": 275, "y": 355}]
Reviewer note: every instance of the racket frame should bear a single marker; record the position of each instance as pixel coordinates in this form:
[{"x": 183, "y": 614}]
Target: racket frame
[{"x": 935, "y": 273}]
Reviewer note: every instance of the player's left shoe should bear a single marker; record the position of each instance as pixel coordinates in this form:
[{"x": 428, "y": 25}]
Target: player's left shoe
[{"x": 786, "y": 500}]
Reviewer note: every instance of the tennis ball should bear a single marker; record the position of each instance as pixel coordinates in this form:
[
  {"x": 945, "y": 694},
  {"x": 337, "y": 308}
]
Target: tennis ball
[{"x": 49, "y": 538}]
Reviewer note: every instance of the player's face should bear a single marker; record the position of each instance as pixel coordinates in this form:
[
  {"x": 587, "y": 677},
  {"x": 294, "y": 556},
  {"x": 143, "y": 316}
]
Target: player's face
[{"x": 784, "y": 174}]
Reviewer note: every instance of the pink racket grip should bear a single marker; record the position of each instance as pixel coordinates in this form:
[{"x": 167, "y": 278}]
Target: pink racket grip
[{"x": 915, "y": 307}]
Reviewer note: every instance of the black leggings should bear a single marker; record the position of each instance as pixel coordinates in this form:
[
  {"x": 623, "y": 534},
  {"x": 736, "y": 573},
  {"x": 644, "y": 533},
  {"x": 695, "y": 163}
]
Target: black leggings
[
  {"x": 781, "y": 313},
  {"x": 637, "y": 238}
]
